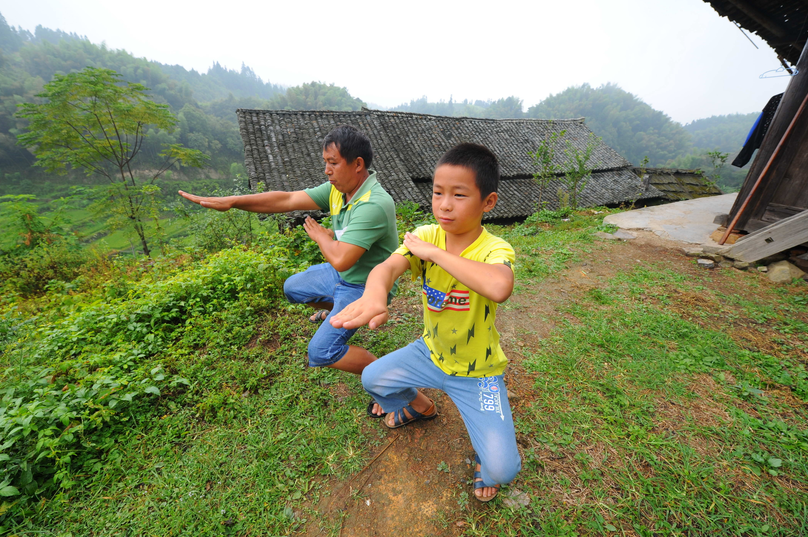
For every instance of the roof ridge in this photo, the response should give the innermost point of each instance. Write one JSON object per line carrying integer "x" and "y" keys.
{"x": 515, "y": 119}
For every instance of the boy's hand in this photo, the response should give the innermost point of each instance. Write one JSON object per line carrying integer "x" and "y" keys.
{"x": 419, "y": 248}
{"x": 361, "y": 312}
{"x": 219, "y": 204}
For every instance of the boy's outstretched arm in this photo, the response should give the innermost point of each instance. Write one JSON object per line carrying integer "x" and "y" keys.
{"x": 371, "y": 309}
{"x": 494, "y": 282}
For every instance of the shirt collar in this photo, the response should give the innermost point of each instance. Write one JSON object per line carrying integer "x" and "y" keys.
{"x": 363, "y": 189}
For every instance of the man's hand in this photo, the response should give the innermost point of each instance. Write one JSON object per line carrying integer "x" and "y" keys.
{"x": 317, "y": 232}
{"x": 364, "y": 311}
{"x": 219, "y": 204}
{"x": 419, "y": 248}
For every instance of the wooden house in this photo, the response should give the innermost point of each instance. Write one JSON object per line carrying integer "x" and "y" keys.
{"x": 776, "y": 187}
{"x": 282, "y": 151}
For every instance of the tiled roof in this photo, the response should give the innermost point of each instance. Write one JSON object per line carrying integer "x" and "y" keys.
{"x": 677, "y": 184}
{"x": 781, "y": 23}
{"x": 283, "y": 150}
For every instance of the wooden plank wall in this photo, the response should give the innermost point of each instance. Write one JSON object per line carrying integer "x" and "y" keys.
{"x": 784, "y": 190}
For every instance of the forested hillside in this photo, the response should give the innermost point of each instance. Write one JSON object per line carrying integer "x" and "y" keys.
{"x": 204, "y": 103}
{"x": 721, "y": 133}
{"x": 623, "y": 120}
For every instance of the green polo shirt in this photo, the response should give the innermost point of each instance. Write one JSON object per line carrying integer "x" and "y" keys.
{"x": 367, "y": 221}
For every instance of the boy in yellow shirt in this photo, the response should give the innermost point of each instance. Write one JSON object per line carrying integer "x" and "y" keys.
{"x": 465, "y": 273}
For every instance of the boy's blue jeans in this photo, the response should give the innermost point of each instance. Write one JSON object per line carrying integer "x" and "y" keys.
{"x": 321, "y": 283}
{"x": 483, "y": 403}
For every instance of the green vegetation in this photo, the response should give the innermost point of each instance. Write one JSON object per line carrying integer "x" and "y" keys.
{"x": 625, "y": 123}
{"x": 171, "y": 395}
{"x": 91, "y": 122}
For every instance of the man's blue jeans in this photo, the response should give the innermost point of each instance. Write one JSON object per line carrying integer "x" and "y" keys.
{"x": 321, "y": 283}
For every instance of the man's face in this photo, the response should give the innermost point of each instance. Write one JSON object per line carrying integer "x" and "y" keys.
{"x": 342, "y": 174}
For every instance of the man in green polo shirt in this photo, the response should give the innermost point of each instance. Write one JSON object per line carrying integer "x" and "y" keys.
{"x": 364, "y": 234}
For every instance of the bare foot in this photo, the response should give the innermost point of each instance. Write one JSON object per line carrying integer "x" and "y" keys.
{"x": 377, "y": 409}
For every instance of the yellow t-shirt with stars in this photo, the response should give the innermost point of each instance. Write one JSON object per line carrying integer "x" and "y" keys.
{"x": 458, "y": 323}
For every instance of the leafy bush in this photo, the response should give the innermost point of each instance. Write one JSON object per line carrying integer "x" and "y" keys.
{"x": 81, "y": 375}
{"x": 28, "y": 271}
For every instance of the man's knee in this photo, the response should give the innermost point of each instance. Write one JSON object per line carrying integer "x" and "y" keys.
{"x": 325, "y": 353}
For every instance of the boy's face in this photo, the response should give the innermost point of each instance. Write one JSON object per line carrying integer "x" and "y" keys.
{"x": 456, "y": 201}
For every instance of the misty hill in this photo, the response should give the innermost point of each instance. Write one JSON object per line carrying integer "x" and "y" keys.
{"x": 623, "y": 120}
{"x": 204, "y": 103}
{"x": 722, "y": 133}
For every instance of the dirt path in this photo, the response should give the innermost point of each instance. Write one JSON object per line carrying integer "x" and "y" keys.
{"x": 417, "y": 482}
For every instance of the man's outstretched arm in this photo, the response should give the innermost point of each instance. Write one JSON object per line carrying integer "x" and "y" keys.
{"x": 371, "y": 309}
{"x": 264, "y": 202}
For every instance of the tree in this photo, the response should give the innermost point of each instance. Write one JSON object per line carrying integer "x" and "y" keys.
{"x": 316, "y": 96}
{"x": 578, "y": 169}
{"x": 544, "y": 159}
{"x": 92, "y": 120}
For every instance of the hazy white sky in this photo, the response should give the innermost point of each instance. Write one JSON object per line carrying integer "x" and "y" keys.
{"x": 679, "y": 56}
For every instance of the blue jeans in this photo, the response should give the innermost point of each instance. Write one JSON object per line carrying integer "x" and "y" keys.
{"x": 393, "y": 380}
{"x": 321, "y": 283}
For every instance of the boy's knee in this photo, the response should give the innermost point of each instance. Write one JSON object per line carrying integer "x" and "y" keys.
{"x": 370, "y": 376}
{"x": 502, "y": 470}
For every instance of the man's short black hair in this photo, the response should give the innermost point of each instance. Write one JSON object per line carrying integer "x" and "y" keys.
{"x": 478, "y": 159}
{"x": 351, "y": 143}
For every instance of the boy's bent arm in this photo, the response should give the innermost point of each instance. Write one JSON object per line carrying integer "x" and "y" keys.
{"x": 371, "y": 309}
{"x": 494, "y": 282}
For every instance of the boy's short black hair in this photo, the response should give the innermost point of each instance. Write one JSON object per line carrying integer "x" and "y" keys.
{"x": 351, "y": 143}
{"x": 478, "y": 159}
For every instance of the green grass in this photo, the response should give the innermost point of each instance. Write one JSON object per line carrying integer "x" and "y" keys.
{"x": 653, "y": 436}
{"x": 641, "y": 415}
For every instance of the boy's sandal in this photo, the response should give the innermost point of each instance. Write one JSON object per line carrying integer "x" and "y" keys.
{"x": 370, "y": 410}
{"x": 478, "y": 481}
{"x": 319, "y": 317}
{"x": 400, "y": 419}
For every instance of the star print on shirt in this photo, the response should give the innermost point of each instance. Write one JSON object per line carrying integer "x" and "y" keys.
{"x": 453, "y": 350}
{"x": 454, "y": 330}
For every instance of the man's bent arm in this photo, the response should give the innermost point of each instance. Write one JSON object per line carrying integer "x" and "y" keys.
{"x": 263, "y": 202}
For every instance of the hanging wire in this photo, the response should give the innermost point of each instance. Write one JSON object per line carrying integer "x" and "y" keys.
{"x": 747, "y": 35}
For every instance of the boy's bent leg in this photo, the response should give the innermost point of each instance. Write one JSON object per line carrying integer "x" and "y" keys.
{"x": 483, "y": 404}
{"x": 393, "y": 380}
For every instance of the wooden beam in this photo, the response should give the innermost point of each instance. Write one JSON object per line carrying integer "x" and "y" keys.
{"x": 758, "y": 17}
{"x": 771, "y": 240}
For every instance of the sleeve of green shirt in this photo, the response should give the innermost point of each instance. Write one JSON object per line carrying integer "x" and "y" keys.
{"x": 368, "y": 224}
{"x": 320, "y": 195}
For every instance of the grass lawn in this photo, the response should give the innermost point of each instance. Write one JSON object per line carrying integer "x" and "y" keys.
{"x": 651, "y": 397}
